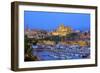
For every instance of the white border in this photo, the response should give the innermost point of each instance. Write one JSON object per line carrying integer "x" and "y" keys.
{"x": 23, "y": 64}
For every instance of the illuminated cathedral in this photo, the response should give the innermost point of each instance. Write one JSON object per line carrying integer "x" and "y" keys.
{"x": 62, "y": 31}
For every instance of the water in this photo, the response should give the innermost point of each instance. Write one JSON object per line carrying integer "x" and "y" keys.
{"x": 63, "y": 53}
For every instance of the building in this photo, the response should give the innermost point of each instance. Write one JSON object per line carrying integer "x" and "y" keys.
{"x": 36, "y": 34}
{"x": 62, "y": 31}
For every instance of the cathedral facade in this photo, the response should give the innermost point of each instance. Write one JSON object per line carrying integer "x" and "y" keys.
{"x": 62, "y": 31}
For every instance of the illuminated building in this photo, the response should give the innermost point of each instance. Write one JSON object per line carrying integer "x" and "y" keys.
{"x": 62, "y": 31}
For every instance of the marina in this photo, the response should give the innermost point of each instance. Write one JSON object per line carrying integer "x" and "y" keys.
{"x": 61, "y": 53}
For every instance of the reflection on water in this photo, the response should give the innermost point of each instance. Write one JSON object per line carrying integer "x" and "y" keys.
{"x": 60, "y": 53}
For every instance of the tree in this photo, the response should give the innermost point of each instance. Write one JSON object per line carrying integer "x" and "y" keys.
{"x": 56, "y": 39}
{"x": 27, "y": 45}
{"x": 34, "y": 41}
{"x": 72, "y": 36}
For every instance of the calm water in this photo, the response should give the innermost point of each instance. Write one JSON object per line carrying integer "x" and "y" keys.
{"x": 64, "y": 53}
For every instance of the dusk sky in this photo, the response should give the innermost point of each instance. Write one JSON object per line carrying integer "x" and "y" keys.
{"x": 51, "y": 20}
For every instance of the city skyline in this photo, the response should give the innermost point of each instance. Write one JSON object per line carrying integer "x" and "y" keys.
{"x": 52, "y": 20}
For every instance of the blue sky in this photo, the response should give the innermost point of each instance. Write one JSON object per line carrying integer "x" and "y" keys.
{"x": 51, "y": 20}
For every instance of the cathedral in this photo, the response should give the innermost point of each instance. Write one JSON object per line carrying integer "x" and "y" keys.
{"x": 62, "y": 31}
